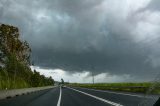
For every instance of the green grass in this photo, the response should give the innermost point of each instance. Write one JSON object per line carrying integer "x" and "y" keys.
{"x": 144, "y": 87}
{"x": 10, "y": 83}
{"x": 13, "y": 84}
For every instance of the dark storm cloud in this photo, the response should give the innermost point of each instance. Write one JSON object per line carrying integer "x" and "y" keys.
{"x": 154, "y": 4}
{"x": 80, "y": 35}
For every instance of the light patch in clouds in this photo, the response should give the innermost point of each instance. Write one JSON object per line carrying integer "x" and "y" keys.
{"x": 41, "y": 16}
{"x": 147, "y": 27}
{"x": 83, "y": 77}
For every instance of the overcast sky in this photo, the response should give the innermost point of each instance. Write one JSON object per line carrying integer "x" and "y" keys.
{"x": 116, "y": 40}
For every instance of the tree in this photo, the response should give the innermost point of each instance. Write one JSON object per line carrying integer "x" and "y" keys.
{"x": 15, "y": 54}
{"x": 62, "y": 81}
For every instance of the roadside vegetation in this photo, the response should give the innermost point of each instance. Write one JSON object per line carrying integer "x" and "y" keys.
{"x": 145, "y": 87}
{"x": 15, "y": 71}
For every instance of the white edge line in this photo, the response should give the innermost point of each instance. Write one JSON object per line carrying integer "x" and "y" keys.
{"x": 59, "y": 100}
{"x": 101, "y": 99}
{"x": 115, "y": 92}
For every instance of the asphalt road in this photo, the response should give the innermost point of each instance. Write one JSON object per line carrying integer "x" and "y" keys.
{"x": 67, "y": 96}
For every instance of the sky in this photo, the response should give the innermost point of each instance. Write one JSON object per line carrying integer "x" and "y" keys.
{"x": 115, "y": 40}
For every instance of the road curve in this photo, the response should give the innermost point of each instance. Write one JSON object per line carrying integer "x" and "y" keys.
{"x": 67, "y": 96}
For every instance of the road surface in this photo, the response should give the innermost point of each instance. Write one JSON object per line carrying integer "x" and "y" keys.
{"x": 68, "y": 96}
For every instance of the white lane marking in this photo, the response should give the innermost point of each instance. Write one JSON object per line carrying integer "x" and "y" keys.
{"x": 59, "y": 100}
{"x": 98, "y": 98}
{"x": 115, "y": 93}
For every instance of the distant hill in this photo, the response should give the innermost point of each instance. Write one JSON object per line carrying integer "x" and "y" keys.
{"x": 15, "y": 63}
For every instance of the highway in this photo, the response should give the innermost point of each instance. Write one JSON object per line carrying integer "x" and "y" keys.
{"x": 67, "y": 96}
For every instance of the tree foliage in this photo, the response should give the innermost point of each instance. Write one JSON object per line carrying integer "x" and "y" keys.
{"x": 15, "y": 60}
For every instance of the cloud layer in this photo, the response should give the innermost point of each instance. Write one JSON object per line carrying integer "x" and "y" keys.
{"x": 102, "y": 36}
